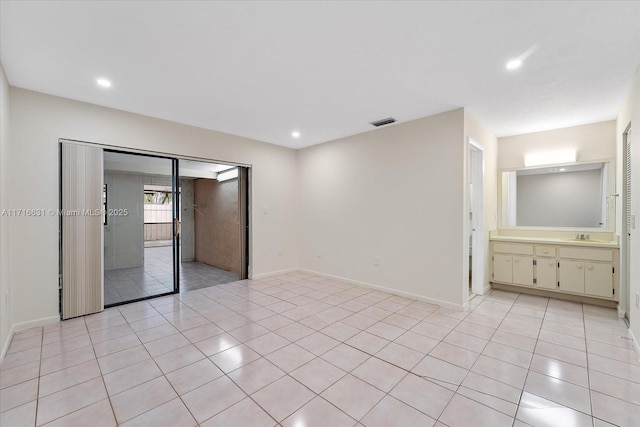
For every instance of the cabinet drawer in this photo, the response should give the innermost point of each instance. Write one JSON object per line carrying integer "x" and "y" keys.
{"x": 548, "y": 251}
{"x": 513, "y": 248}
{"x": 586, "y": 253}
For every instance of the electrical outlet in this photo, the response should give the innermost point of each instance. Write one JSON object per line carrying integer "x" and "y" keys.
{"x": 376, "y": 260}
{"x": 637, "y": 299}
{"x": 319, "y": 254}
{"x": 280, "y": 251}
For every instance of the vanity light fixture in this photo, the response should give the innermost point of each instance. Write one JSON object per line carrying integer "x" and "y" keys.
{"x": 550, "y": 158}
{"x": 103, "y": 83}
{"x": 227, "y": 175}
{"x": 295, "y": 134}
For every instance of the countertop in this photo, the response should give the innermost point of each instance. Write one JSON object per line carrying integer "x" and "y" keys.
{"x": 555, "y": 241}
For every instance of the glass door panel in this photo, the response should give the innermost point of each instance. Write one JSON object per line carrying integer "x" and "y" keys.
{"x": 139, "y": 227}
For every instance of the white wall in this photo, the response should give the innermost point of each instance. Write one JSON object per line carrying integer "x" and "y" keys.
{"x": 475, "y": 130}
{"x": 6, "y": 296}
{"x": 630, "y": 113}
{"x": 569, "y": 199}
{"x": 596, "y": 141}
{"x": 395, "y": 193}
{"x": 38, "y": 120}
{"x": 124, "y": 235}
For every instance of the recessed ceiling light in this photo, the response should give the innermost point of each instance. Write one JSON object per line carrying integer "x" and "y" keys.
{"x": 103, "y": 83}
{"x": 514, "y": 64}
{"x": 295, "y": 134}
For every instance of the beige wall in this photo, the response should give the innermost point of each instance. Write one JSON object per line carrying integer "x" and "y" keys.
{"x": 395, "y": 193}
{"x": 38, "y": 120}
{"x": 630, "y": 113}
{"x": 596, "y": 141}
{"x": 217, "y": 229}
{"x": 6, "y": 296}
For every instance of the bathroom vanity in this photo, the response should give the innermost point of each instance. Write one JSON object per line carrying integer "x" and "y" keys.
{"x": 556, "y": 232}
{"x": 557, "y": 265}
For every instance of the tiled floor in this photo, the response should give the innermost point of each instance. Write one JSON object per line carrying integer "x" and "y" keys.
{"x": 156, "y": 277}
{"x": 301, "y": 350}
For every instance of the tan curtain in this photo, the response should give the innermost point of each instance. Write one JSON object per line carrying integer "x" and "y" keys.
{"x": 82, "y": 248}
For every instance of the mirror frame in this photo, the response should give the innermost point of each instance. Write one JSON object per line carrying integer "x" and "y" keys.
{"x": 610, "y": 198}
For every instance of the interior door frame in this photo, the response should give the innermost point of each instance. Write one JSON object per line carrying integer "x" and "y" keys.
{"x": 478, "y": 247}
{"x": 244, "y": 212}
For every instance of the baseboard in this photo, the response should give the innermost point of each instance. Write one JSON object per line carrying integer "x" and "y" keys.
{"x": 273, "y": 273}
{"x": 5, "y": 346}
{"x": 487, "y": 288}
{"x": 556, "y": 295}
{"x": 441, "y": 303}
{"x": 37, "y": 322}
{"x": 26, "y": 325}
{"x": 636, "y": 345}
{"x": 621, "y": 312}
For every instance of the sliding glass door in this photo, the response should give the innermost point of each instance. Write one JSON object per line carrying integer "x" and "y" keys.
{"x": 141, "y": 227}
{"x": 136, "y": 226}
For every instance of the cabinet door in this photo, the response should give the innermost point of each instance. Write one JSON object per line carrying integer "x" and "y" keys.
{"x": 502, "y": 268}
{"x": 598, "y": 279}
{"x": 522, "y": 270}
{"x": 571, "y": 276}
{"x": 546, "y": 273}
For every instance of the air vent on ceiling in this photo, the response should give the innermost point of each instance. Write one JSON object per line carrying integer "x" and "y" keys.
{"x": 383, "y": 122}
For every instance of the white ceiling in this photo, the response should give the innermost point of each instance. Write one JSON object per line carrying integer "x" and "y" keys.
{"x": 327, "y": 69}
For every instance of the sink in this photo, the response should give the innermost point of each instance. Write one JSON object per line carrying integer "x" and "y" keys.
{"x": 589, "y": 240}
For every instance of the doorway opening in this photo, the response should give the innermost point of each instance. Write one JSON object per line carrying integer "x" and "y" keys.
{"x": 213, "y": 224}
{"x": 185, "y": 225}
{"x": 476, "y": 220}
{"x": 141, "y": 201}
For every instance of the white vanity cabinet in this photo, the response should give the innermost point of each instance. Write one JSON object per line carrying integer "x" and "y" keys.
{"x": 513, "y": 263}
{"x": 545, "y": 267}
{"x": 574, "y": 269}
{"x": 586, "y": 270}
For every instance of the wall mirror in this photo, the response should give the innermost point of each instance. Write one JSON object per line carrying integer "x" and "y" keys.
{"x": 569, "y": 196}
